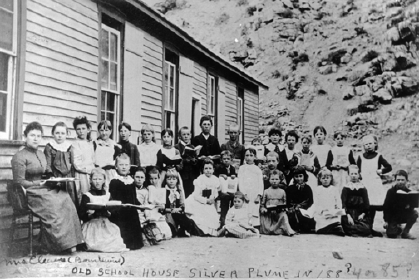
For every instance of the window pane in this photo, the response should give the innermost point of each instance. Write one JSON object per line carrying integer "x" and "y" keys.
{"x": 110, "y": 106}
{"x": 114, "y": 74}
{"x": 3, "y": 71}
{"x": 105, "y": 74}
{"x": 172, "y": 76}
{"x": 166, "y": 97}
{"x": 6, "y": 30}
{"x": 172, "y": 100}
{"x": 3, "y": 111}
{"x": 166, "y": 74}
{"x": 114, "y": 47}
{"x": 7, "y": 4}
{"x": 103, "y": 101}
{"x": 102, "y": 115}
{"x": 104, "y": 43}
{"x": 172, "y": 121}
{"x": 110, "y": 117}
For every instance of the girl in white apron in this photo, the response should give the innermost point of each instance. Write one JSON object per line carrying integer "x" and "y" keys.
{"x": 372, "y": 165}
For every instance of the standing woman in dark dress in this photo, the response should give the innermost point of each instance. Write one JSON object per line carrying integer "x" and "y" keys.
{"x": 210, "y": 145}
{"x": 61, "y": 230}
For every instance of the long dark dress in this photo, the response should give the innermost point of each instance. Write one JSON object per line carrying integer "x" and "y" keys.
{"x": 126, "y": 218}
{"x": 355, "y": 202}
{"x": 189, "y": 170}
{"x": 59, "y": 165}
{"x": 300, "y": 196}
{"x": 61, "y": 228}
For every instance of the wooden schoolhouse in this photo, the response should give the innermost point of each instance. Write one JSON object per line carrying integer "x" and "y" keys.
{"x": 110, "y": 59}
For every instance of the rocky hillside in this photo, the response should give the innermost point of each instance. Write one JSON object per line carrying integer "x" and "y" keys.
{"x": 344, "y": 64}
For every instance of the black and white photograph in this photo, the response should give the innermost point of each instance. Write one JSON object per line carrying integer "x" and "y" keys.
{"x": 274, "y": 139}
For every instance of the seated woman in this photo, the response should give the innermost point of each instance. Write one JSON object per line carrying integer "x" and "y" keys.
{"x": 356, "y": 203}
{"x": 61, "y": 230}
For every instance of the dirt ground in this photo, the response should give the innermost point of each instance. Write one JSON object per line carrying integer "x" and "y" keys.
{"x": 301, "y": 256}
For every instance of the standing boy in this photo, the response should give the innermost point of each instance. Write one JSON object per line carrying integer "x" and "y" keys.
{"x": 189, "y": 169}
{"x": 210, "y": 145}
{"x": 233, "y": 145}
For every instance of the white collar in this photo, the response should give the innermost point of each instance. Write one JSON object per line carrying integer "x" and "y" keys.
{"x": 127, "y": 180}
{"x": 63, "y": 147}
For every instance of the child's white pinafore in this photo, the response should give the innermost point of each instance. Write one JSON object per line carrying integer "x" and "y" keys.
{"x": 372, "y": 181}
{"x": 340, "y": 157}
{"x": 99, "y": 233}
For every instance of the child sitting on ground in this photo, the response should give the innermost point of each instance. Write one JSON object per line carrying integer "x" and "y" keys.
{"x": 157, "y": 197}
{"x": 237, "y": 220}
{"x": 99, "y": 233}
{"x": 356, "y": 203}
{"x": 174, "y": 208}
{"x": 151, "y": 234}
{"x": 328, "y": 205}
{"x": 273, "y": 219}
{"x": 126, "y": 218}
{"x": 398, "y": 212}
{"x": 228, "y": 181}
{"x": 201, "y": 204}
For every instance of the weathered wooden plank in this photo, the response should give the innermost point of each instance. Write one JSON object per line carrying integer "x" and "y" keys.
{"x": 152, "y": 97}
{"x": 90, "y": 5}
{"x": 154, "y": 68}
{"x": 7, "y": 150}
{"x": 50, "y": 29}
{"x": 152, "y": 113}
{"x": 57, "y": 75}
{"x": 61, "y": 47}
{"x": 155, "y": 61}
{"x": 73, "y": 20}
{"x": 50, "y": 120}
{"x": 78, "y": 7}
{"x": 53, "y": 110}
{"x": 150, "y": 85}
{"x": 151, "y": 40}
{"x": 36, "y": 78}
{"x": 6, "y": 174}
{"x": 156, "y": 75}
{"x": 58, "y": 94}
{"x": 60, "y": 104}
{"x": 61, "y": 67}
{"x": 83, "y": 66}
{"x": 5, "y": 161}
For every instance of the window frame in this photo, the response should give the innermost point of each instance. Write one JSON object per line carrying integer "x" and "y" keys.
{"x": 212, "y": 100}
{"x": 240, "y": 108}
{"x": 11, "y": 87}
{"x": 115, "y": 92}
{"x": 168, "y": 65}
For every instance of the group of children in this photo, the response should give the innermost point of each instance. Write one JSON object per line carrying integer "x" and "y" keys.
{"x": 198, "y": 187}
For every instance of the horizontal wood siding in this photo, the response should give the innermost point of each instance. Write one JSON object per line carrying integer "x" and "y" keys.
{"x": 61, "y": 76}
{"x": 200, "y": 85}
{"x": 230, "y": 104}
{"x": 251, "y": 115}
{"x": 152, "y": 84}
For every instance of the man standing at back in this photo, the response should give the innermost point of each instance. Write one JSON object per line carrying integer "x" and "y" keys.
{"x": 233, "y": 144}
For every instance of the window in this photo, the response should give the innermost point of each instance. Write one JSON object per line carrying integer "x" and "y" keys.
{"x": 110, "y": 49}
{"x": 170, "y": 92}
{"x": 211, "y": 95}
{"x": 8, "y": 46}
{"x": 240, "y": 111}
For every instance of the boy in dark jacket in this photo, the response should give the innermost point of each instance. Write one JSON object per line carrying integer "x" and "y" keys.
{"x": 398, "y": 212}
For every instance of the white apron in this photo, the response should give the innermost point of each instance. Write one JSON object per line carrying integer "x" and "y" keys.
{"x": 372, "y": 181}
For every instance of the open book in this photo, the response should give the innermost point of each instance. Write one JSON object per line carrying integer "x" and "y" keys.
{"x": 191, "y": 152}
{"x": 113, "y": 204}
{"x": 407, "y": 198}
{"x": 61, "y": 180}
